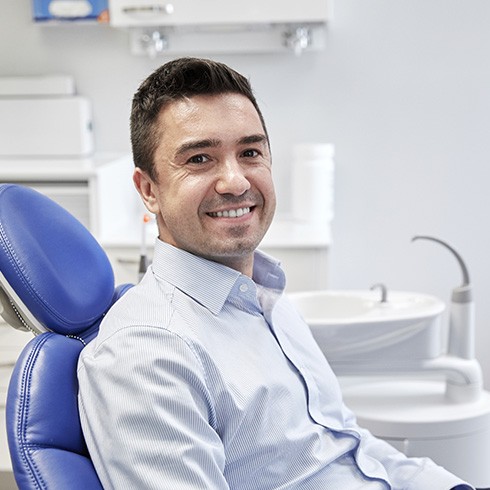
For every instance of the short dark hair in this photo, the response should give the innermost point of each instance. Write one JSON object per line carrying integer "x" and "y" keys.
{"x": 175, "y": 80}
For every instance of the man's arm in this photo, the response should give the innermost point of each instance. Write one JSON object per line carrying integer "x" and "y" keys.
{"x": 146, "y": 413}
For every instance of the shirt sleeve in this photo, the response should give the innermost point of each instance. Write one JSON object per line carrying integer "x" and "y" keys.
{"x": 405, "y": 472}
{"x": 146, "y": 413}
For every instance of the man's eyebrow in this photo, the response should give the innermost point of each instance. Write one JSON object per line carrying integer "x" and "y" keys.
{"x": 197, "y": 145}
{"x": 254, "y": 138}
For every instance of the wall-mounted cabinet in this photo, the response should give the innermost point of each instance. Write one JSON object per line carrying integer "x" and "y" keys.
{"x": 126, "y": 13}
{"x": 222, "y": 26}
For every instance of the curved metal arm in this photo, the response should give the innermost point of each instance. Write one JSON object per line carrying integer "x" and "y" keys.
{"x": 464, "y": 269}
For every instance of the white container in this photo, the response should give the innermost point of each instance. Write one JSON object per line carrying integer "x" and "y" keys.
{"x": 312, "y": 183}
{"x": 46, "y": 126}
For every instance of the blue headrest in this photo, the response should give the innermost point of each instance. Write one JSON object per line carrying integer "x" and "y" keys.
{"x": 52, "y": 262}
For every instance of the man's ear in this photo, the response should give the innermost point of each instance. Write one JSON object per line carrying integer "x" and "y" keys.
{"x": 146, "y": 188}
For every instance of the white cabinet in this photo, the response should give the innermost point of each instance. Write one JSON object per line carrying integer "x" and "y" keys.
{"x": 125, "y": 13}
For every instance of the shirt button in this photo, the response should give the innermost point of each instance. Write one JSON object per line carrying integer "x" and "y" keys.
{"x": 243, "y": 288}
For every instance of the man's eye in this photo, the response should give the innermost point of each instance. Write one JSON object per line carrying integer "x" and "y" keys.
{"x": 198, "y": 159}
{"x": 250, "y": 153}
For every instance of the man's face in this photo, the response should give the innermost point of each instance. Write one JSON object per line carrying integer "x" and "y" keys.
{"x": 214, "y": 194}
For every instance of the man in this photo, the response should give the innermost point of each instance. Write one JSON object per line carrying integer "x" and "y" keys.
{"x": 204, "y": 376}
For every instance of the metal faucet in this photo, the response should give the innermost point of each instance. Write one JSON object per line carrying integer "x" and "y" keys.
{"x": 384, "y": 291}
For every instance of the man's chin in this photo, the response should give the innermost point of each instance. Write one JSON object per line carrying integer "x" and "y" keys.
{"x": 230, "y": 252}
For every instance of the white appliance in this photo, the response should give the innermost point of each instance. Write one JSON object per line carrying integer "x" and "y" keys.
{"x": 54, "y": 126}
{"x": 44, "y": 117}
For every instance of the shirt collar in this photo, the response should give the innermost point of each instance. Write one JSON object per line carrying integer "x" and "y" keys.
{"x": 208, "y": 282}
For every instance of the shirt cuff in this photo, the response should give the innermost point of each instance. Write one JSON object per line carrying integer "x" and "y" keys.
{"x": 438, "y": 478}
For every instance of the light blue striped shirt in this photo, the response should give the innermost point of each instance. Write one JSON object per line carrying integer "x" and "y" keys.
{"x": 202, "y": 378}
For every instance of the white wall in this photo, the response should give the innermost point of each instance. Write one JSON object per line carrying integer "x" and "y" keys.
{"x": 402, "y": 89}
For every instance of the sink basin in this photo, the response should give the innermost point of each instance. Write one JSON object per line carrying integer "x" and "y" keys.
{"x": 355, "y": 326}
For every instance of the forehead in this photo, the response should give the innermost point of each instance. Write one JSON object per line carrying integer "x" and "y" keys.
{"x": 221, "y": 113}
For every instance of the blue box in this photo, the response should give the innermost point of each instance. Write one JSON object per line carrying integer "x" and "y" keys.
{"x": 70, "y": 10}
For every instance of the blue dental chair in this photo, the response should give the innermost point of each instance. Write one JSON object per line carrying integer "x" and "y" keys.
{"x": 57, "y": 282}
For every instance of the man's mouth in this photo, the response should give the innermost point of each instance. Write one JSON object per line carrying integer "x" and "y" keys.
{"x": 230, "y": 213}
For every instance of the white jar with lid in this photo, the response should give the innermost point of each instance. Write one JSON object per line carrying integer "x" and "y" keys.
{"x": 312, "y": 183}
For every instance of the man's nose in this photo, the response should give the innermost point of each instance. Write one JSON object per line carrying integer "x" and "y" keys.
{"x": 232, "y": 179}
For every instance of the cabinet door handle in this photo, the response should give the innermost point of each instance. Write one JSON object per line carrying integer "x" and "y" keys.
{"x": 167, "y": 8}
{"x": 124, "y": 261}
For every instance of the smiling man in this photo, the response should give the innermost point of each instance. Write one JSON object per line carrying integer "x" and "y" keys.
{"x": 204, "y": 376}
{"x": 212, "y": 191}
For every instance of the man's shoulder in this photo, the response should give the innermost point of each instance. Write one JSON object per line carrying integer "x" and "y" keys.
{"x": 142, "y": 307}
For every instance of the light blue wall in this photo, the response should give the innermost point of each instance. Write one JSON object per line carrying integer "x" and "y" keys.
{"x": 402, "y": 89}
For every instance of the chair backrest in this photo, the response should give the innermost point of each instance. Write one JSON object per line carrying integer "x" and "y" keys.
{"x": 56, "y": 281}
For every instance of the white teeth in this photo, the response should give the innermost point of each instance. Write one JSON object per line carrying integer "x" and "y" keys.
{"x": 232, "y": 213}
